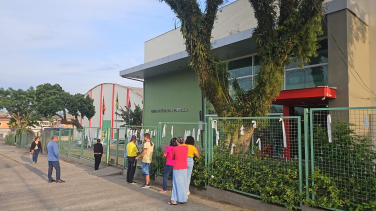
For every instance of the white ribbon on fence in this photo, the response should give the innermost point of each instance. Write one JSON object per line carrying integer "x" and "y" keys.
{"x": 259, "y": 143}
{"x": 198, "y": 135}
{"x": 142, "y": 135}
{"x": 366, "y": 123}
{"x": 155, "y": 132}
{"x": 164, "y": 131}
{"x": 329, "y": 127}
{"x": 232, "y": 148}
{"x": 214, "y": 126}
{"x": 283, "y": 133}
{"x": 193, "y": 133}
{"x": 216, "y": 137}
{"x": 254, "y": 124}
{"x": 151, "y": 134}
{"x": 129, "y": 134}
{"x": 147, "y": 131}
{"x": 242, "y": 130}
{"x": 172, "y": 131}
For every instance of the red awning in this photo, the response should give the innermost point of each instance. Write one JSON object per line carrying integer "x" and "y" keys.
{"x": 309, "y": 96}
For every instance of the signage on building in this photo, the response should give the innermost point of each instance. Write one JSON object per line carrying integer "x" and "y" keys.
{"x": 168, "y": 110}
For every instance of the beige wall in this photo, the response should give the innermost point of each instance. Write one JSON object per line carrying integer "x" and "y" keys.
{"x": 352, "y": 70}
{"x": 369, "y": 6}
{"x": 237, "y": 16}
{"x": 358, "y": 57}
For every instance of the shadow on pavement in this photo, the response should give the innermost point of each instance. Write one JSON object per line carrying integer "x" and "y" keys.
{"x": 37, "y": 172}
{"x": 26, "y": 159}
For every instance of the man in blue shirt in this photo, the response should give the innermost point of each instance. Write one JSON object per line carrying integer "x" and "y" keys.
{"x": 53, "y": 158}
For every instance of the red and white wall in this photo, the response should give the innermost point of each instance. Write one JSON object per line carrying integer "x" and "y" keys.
{"x": 108, "y": 92}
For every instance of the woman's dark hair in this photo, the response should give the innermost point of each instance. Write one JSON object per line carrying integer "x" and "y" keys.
{"x": 190, "y": 140}
{"x": 180, "y": 140}
{"x": 36, "y": 138}
{"x": 173, "y": 142}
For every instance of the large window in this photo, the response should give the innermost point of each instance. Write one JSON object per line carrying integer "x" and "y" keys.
{"x": 242, "y": 70}
{"x": 314, "y": 73}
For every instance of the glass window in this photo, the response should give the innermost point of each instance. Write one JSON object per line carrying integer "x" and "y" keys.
{"x": 256, "y": 67}
{"x": 322, "y": 57}
{"x": 276, "y": 109}
{"x": 307, "y": 78}
{"x": 240, "y": 67}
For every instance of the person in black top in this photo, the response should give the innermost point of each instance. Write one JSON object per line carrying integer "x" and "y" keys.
{"x": 98, "y": 151}
{"x": 35, "y": 148}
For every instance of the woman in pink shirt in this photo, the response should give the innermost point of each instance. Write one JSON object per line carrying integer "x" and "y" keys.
{"x": 179, "y": 180}
{"x": 169, "y": 163}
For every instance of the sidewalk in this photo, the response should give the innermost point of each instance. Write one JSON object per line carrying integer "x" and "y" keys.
{"x": 24, "y": 187}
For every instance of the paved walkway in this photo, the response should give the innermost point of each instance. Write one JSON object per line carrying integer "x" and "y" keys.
{"x": 24, "y": 186}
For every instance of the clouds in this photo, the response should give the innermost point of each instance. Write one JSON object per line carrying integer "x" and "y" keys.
{"x": 76, "y": 43}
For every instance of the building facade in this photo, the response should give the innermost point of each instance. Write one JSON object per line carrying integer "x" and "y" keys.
{"x": 108, "y": 99}
{"x": 341, "y": 76}
{"x": 4, "y": 127}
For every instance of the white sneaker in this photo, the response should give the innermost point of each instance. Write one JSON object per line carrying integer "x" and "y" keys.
{"x": 188, "y": 193}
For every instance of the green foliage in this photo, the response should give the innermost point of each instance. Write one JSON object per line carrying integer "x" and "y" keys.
{"x": 131, "y": 118}
{"x": 347, "y": 176}
{"x": 52, "y": 100}
{"x": 287, "y": 30}
{"x": 200, "y": 173}
{"x": 21, "y": 106}
{"x": 273, "y": 180}
{"x": 158, "y": 164}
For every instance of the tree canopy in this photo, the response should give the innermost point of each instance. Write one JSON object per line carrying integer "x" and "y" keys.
{"x": 52, "y": 100}
{"x": 286, "y": 30}
{"x": 21, "y": 106}
{"x": 131, "y": 117}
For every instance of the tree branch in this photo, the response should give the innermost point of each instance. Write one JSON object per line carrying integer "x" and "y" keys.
{"x": 59, "y": 115}
{"x": 75, "y": 122}
{"x": 211, "y": 13}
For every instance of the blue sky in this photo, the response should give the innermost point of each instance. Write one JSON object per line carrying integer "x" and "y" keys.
{"x": 76, "y": 43}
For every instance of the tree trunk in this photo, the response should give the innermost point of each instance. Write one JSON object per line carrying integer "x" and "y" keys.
{"x": 75, "y": 122}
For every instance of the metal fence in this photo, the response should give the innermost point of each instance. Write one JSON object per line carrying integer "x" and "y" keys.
{"x": 80, "y": 142}
{"x": 257, "y": 156}
{"x": 10, "y": 139}
{"x": 262, "y": 157}
{"x": 169, "y": 130}
{"x": 120, "y": 138}
{"x": 343, "y": 157}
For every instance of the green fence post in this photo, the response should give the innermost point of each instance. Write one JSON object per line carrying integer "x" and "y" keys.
{"x": 52, "y": 134}
{"x": 306, "y": 149}
{"x": 69, "y": 141}
{"x": 59, "y": 139}
{"x": 117, "y": 146}
{"x": 300, "y": 158}
{"x": 108, "y": 146}
{"x": 311, "y": 149}
{"x": 125, "y": 150}
{"x": 159, "y": 140}
{"x": 82, "y": 142}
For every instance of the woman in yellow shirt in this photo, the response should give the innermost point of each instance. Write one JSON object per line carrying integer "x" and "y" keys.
{"x": 192, "y": 151}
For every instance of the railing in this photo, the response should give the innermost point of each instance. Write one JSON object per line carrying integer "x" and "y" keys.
{"x": 334, "y": 167}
